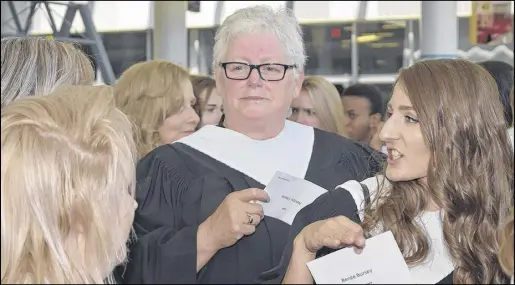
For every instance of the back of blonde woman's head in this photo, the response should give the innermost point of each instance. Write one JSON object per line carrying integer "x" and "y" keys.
{"x": 36, "y": 66}
{"x": 67, "y": 186}
{"x": 149, "y": 92}
{"x": 327, "y": 103}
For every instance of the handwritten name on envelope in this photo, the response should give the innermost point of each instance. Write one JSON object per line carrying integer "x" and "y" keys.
{"x": 288, "y": 195}
{"x": 381, "y": 262}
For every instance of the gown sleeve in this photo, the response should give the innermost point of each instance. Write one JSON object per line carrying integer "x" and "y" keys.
{"x": 163, "y": 252}
{"x": 330, "y": 204}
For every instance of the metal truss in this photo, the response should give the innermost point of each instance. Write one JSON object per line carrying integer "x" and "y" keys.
{"x": 91, "y": 37}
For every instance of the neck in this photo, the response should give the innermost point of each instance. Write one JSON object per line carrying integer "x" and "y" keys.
{"x": 257, "y": 130}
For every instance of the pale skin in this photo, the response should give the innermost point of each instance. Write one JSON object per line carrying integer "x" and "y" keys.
{"x": 303, "y": 111}
{"x": 401, "y": 132}
{"x": 259, "y": 119}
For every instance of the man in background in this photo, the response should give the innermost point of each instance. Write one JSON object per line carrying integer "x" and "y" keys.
{"x": 364, "y": 108}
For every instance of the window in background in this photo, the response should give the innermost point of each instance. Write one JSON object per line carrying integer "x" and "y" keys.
{"x": 465, "y": 45}
{"x": 386, "y": 89}
{"x": 328, "y": 49}
{"x": 126, "y": 48}
{"x": 88, "y": 50}
{"x": 380, "y": 46}
{"x": 200, "y": 49}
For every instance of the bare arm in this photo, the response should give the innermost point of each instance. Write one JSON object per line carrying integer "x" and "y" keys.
{"x": 298, "y": 272}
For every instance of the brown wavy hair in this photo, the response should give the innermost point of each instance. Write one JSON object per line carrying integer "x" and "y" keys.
{"x": 470, "y": 174}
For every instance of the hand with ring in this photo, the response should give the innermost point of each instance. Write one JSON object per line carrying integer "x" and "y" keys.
{"x": 236, "y": 217}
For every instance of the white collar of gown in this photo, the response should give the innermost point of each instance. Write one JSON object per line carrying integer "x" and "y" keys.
{"x": 290, "y": 151}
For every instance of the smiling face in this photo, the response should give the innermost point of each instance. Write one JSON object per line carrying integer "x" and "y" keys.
{"x": 255, "y": 99}
{"x": 182, "y": 123}
{"x": 408, "y": 154}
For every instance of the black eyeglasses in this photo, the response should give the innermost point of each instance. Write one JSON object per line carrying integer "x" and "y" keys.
{"x": 267, "y": 71}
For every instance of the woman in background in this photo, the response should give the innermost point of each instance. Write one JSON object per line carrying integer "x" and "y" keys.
{"x": 319, "y": 106}
{"x": 209, "y": 103}
{"x": 158, "y": 97}
{"x": 33, "y": 66}
{"x": 67, "y": 186}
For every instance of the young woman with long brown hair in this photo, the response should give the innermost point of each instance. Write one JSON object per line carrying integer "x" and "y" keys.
{"x": 446, "y": 190}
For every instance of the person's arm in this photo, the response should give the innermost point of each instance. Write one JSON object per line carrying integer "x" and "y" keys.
{"x": 335, "y": 233}
{"x": 298, "y": 272}
{"x": 292, "y": 266}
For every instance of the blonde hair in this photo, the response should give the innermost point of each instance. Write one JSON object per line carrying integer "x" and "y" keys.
{"x": 326, "y": 101}
{"x": 149, "y": 92}
{"x": 470, "y": 173}
{"x": 67, "y": 182}
{"x": 33, "y": 66}
{"x": 506, "y": 251}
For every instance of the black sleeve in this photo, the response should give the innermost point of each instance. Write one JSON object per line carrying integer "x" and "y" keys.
{"x": 367, "y": 161}
{"x": 164, "y": 252}
{"x": 337, "y": 159}
{"x": 331, "y": 204}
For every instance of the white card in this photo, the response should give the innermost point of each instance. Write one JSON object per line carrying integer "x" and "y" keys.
{"x": 381, "y": 262}
{"x": 288, "y": 195}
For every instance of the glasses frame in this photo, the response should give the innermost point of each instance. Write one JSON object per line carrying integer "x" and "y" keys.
{"x": 258, "y": 68}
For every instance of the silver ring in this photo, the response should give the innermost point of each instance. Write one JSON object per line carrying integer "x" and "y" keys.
{"x": 251, "y": 219}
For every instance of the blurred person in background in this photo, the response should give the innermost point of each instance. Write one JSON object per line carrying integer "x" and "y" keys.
{"x": 67, "y": 186}
{"x": 502, "y": 72}
{"x": 158, "y": 97}
{"x": 339, "y": 87}
{"x": 319, "y": 106}
{"x": 363, "y": 105}
{"x": 197, "y": 221}
{"x": 209, "y": 103}
{"x": 445, "y": 191}
{"x": 33, "y": 66}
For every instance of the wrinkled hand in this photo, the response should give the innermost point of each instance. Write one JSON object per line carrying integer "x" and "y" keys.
{"x": 231, "y": 220}
{"x": 337, "y": 232}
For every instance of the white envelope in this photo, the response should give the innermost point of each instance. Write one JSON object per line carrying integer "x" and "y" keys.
{"x": 381, "y": 262}
{"x": 288, "y": 195}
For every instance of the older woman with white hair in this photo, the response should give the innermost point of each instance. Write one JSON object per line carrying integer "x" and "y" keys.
{"x": 197, "y": 220}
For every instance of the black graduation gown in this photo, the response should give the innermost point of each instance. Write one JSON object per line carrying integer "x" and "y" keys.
{"x": 179, "y": 187}
{"x": 331, "y": 204}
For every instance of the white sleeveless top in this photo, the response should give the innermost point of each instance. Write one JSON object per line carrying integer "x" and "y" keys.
{"x": 438, "y": 263}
